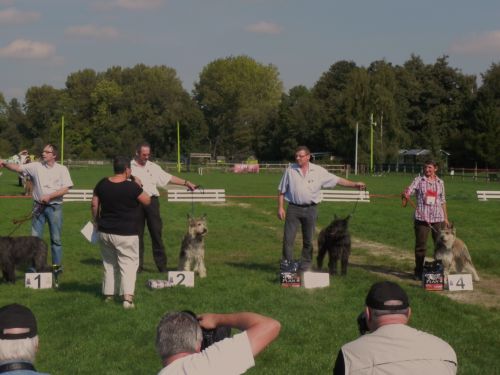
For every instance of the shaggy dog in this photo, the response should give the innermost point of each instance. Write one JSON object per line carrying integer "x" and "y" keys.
{"x": 28, "y": 186}
{"x": 335, "y": 239}
{"x": 453, "y": 252}
{"x": 192, "y": 254}
{"x": 22, "y": 250}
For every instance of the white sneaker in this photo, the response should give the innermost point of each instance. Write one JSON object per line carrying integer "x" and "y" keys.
{"x": 128, "y": 305}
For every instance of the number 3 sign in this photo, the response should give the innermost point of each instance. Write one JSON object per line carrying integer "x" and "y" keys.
{"x": 185, "y": 278}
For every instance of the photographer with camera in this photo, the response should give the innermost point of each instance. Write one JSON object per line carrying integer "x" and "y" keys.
{"x": 390, "y": 345}
{"x": 179, "y": 340}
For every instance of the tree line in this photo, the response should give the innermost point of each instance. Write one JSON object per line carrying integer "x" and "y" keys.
{"x": 238, "y": 108}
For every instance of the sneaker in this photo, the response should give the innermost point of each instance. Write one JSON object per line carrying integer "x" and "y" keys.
{"x": 128, "y": 305}
{"x": 108, "y": 299}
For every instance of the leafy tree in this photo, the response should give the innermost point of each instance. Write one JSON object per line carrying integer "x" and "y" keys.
{"x": 237, "y": 96}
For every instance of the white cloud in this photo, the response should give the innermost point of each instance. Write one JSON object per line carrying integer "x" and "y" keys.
{"x": 92, "y": 31}
{"x": 130, "y": 4}
{"x": 14, "y": 16}
{"x": 264, "y": 28}
{"x": 478, "y": 44}
{"x": 28, "y": 49}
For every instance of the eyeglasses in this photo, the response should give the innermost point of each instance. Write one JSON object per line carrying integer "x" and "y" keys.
{"x": 301, "y": 156}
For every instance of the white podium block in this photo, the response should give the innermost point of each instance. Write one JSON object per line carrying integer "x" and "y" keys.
{"x": 185, "y": 278}
{"x": 38, "y": 280}
{"x": 460, "y": 282}
{"x": 315, "y": 280}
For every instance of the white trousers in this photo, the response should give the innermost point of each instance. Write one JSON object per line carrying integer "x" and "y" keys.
{"x": 120, "y": 258}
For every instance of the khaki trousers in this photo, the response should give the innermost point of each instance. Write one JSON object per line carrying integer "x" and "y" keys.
{"x": 120, "y": 258}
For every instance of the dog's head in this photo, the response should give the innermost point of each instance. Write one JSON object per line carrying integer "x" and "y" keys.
{"x": 338, "y": 226}
{"x": 197, "y": 226}
{"x": 448, "y": 235}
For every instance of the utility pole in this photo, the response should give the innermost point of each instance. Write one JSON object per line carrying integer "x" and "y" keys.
{"x": 372, "y": 125}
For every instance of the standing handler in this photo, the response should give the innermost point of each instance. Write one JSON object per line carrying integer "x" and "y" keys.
{"x": 430, "y": 214}
{"x": 50, "y": 182}
{"x": 300, "y": 186}
{"x": 153, "y": 177}
{"x": 115, "y": 205}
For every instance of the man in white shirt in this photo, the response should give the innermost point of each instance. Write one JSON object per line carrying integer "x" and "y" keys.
{"x": 51, "y": 181}
{"x": 153, "y": 177}
{"x": 179, "y": 338}
{"x": 300, "y": 186}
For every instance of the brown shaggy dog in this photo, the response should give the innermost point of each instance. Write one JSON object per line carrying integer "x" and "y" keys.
{"x": 22, "y": 250}
{"x": 192, "y": 254}
{"x": 453, "y": 252}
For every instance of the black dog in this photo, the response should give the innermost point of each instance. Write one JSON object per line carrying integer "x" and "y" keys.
{"x": 22, "y": 250}
{"x": 335, "y": 239}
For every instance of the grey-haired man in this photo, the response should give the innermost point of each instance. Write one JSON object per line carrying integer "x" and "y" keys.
{"x": 391, "y": 346}
{"x": 18, "y": 340}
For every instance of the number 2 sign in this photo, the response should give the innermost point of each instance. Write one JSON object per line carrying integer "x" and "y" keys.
{"x": 185, "y": 278}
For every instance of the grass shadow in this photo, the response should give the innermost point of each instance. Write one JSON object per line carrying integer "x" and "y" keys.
{"x": 264, "y": 267}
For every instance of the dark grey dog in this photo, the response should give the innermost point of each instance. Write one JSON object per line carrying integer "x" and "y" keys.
{"x": 336, "y": 240}
{"x": 22, "y": 250}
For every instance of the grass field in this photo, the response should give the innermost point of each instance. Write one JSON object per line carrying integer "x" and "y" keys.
{"x": 80, "y": 334}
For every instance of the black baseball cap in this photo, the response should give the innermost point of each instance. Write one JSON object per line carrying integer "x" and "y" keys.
{"x": 386, "y": 295}
{"x": 17, "y": 316}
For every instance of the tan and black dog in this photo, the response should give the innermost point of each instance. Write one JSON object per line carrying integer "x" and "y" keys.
{"x": 192, "y": 256}
{"x": 454, "y": 254}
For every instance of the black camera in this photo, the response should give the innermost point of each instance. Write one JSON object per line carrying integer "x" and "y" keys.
{"x": 211, "y": 336}
{"x": 362, "y": 324}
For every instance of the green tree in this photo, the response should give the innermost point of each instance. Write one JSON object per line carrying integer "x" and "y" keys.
{"x": 238, "y": 96}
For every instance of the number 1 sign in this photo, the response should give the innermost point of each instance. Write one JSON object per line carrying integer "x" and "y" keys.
{"x": 35, "y": 280}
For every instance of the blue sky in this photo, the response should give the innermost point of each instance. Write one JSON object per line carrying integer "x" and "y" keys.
{"x": 43, "y": 41}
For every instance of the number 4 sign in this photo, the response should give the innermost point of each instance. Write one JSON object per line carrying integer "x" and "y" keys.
{"x": 37, "y": 280}
{"x": 460, "y": 282}
{"x": 185, "y": 278}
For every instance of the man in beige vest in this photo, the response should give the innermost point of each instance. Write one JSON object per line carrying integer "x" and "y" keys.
{"x": 391, "y": 346}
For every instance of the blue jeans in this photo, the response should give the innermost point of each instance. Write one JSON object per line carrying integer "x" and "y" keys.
{"x": 305, "y": 217}
{"x": 53, "y": 215}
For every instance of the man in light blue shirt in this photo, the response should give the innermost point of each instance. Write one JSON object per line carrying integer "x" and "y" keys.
{"x": 301, "y": 186}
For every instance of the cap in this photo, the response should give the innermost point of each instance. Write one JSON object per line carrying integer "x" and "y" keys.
{"x": 17, "y": 316}
{"x": 387, "y": 295}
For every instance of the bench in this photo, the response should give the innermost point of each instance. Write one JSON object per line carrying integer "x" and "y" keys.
{"x": 203, "y": 195}
{"x": 78, "y": 195}
{"x": 345, "y": 196}
{"x": 484, "y": 195}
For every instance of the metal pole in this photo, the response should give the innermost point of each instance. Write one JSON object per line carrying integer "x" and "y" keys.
{"x": 356, "y": 152}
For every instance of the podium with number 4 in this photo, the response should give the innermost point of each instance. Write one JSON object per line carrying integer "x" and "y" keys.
{"x": 460, "y": 282}
{"x": 38, "y": 280}
{"x": 185, "y": 278}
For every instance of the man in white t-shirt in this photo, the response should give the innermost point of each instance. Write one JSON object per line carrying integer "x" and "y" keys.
{"x": 51, "y": 181}
{"x": 153, "y": 177}
{"x": 179, "y": 338}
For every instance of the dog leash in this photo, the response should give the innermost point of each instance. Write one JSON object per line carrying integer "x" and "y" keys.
{"x": 35, "y": 211}
{"x": 356, "y": 204}
{"x": 198, "y": 187}
{"x": 404, "y": 203}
